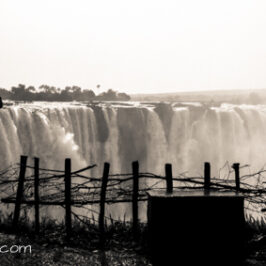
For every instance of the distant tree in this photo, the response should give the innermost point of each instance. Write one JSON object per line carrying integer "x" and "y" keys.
{"x": 98, "y": 86}
{"x": 112, "y": 95}
{"x": 123, "y": 96}
{"x": 76, "y": 93}
{"x": 65, "y": 94}
{"x": 88, "y": 95}
{"x": 31, "y": 89}
{"x": 19, "y": 89}
{"x": 48, "y": 89}
{"x": 5, "y": 94}
{"x": 20, "y": 92}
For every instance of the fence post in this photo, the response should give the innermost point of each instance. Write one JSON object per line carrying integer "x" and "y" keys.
{"x": 102, "y": 202}
{"x": 169, "y": 178}
{"x": 207, "y": 177}
{"x": 235, "y": 166}
{"x": 36, "y": 195}
{"x": 23, "y": 165}
{"x": 68, "y": 196}
{"x": 135, "y": 168}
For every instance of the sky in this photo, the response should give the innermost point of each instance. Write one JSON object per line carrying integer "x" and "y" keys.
{"x": 144, "y": 46}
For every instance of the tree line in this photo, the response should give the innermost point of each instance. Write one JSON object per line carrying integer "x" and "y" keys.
{"x": 50, "y": 93}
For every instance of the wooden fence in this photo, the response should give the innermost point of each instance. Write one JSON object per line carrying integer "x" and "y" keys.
{"x": 68, "y": 201}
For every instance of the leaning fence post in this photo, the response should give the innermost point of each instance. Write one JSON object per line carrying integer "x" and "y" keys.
{"x": 23, "y": 165}
{"x": 68, "y": 196}
{"x": 102, "y": 202}
{"x": 36, "y": 195}
{"x": 169, "y": 178}
{"x": 235, "y": 166}
{"x": 207, "y": 177}
{"x": 135, "y": 168}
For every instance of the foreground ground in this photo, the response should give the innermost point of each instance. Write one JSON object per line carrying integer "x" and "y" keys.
{"x": 45, "y": 253}
{"x": 49, "y": 253}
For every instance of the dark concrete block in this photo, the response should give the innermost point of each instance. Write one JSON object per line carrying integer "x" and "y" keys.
{"x": 191, "y": 228}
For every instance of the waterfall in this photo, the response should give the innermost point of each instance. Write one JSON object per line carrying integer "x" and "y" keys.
{"x": 183, "y": 136}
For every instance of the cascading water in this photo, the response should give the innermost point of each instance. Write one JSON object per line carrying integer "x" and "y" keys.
{"x": 153, "y": 134}
{"x": 120, "y": 135}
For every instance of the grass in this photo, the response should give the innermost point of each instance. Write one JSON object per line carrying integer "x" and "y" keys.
{"x": 120, "y": 248}
{"x": 84, "y": 234}
{"x": 50, "y": 247}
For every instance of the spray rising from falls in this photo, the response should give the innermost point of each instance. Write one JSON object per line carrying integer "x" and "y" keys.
{"x": 152, "y": 134}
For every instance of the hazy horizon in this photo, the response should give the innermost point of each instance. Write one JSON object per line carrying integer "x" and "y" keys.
{"x": 134, "y": 47}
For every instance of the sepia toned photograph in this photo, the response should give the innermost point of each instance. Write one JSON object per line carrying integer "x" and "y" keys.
{"x": 133, "y": 132}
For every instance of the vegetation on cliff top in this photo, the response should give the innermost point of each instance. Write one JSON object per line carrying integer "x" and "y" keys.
{"x": 51, "y": 93}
